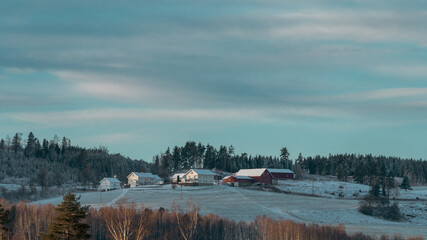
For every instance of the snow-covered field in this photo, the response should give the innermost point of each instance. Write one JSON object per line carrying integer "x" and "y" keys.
{"x": 346, "y": 190}
{"x": 244, "y": 204}
{"x": 329, "y": 189}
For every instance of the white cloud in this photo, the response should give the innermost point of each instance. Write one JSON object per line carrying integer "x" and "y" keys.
{"x": 106, "y": 87}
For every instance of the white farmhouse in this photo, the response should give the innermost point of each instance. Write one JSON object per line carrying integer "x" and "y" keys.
{"x": 200, "y": 176}
{"x": 141, "y": 178}
{"x": 109, "y": 184}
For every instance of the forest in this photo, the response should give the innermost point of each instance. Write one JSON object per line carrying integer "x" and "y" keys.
{"x": 134, "y": 222}
{"x": 56, "y": 162}
{"x": 362, "y": 168}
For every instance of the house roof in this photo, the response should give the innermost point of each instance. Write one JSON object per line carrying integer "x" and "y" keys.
{"x": 178, "y": 174}
{"x": 146, "y": 175}
{"x": 275, "y": 170}
{"x": 111, "y": 180}
{"x": 203, "y": 172}
{"x": 251, "y": 172}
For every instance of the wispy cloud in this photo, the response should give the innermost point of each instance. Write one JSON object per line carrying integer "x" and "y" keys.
{"x": 408, "y": 73}
{"x": 402, "y": 94}
{"x": 111, "y": 138}
{"x": 77, "y": 117}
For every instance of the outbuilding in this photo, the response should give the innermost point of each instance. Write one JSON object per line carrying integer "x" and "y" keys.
{"x": 238, "y": 180}
{"x": 261, "y": 175}
{"x": 281, "y": 174}
{"x": 107, "y": 184}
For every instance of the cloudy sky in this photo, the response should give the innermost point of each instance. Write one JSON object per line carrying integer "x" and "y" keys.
{"x": 138, "y": 76}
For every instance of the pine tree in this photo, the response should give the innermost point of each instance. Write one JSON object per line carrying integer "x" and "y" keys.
{"x": 16, "y": 142}
{"x": 405, "y": 183}
{"x": 210, "y": 157}
{"x": 31, "y": 145}
{"x": 165, "y": 165}
{"x": 2, "y": 145}
{"x": 67, "y": 222}
{"x": 176, "y": 158}
{"x": 284, "y": 158}
{"x": 4, "y": 220}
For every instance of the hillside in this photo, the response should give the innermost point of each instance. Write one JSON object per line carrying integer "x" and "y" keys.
{"x": 51, "y": 163}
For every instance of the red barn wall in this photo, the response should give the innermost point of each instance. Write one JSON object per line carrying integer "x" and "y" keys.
{"x": 264, "y": 178}
{"x": 283, "y": 175}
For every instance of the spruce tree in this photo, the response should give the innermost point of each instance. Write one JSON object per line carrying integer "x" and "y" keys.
{"x": 31, "y": 145}
{"x": 176, "y": 158}
{"x": 67, "y": 222}
{"x": 405, "y": 183}
{"x": 16, "y": 142}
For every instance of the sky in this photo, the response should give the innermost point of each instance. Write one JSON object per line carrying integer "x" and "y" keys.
{"x": 317, "y": 77}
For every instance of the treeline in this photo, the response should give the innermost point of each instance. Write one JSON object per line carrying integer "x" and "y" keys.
{"x": 132, "y": 222}
{"x": 57, "y": 162}
{"x": 361, "y": 167}
{"x": 193, "y": 155}
{"x": 366, "y": 169}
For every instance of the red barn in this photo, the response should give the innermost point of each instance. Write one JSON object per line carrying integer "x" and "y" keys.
{"x": 260, "y": 175}
{"x": 281, "y": 173}
{"x": 238, "y": 180}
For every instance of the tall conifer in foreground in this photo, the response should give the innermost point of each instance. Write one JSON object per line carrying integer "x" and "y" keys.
{"x": 67, "y": 222}
{"x": 4, "y": 221}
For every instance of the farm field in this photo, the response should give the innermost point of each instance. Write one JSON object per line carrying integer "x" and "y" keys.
{"x": 244, "y": 205}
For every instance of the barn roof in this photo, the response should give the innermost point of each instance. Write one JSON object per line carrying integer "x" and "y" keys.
{"x": 275, "y": 170}
{"x": 251, "y": 172}
{"x": 111, "y": 180}
{"x": 240, "y": 177}
{"x": 203, "y": 171}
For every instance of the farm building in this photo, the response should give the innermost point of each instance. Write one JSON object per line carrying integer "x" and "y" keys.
{"x": 281, "y": 174}
{"x": 238, "y": 180}
{"x": 142, "y": 178}
{"x": 260, "y": 175}
{"x": 109, "y": 184}
{"x": 181, "y": 176}
{"x": 200, "y": 176}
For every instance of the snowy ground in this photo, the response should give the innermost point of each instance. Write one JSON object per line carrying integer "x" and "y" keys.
{"x": 10, "y": 187}
{"x": 346, "y": 190}
{"x": 244, "y": 204}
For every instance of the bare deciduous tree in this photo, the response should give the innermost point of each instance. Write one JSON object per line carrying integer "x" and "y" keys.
{"x": 187, "y": 223}
{"x": 125, "y": 222}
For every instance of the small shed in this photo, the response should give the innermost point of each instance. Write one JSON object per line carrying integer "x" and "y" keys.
{"x": 261, "y": 175}
{"x": 281, "y": 174}
{"x": 107, "y": 184}
{"x": 238, "y": 180}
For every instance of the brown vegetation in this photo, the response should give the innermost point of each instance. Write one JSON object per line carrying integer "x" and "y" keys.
{"x": 134, "y": 222}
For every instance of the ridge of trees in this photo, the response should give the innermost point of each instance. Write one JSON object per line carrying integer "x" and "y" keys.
{"x": 366, "y": 169}
{"x": 57, "y": 162}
